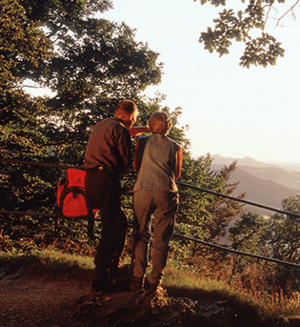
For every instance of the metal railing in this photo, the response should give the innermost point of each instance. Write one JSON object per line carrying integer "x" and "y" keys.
{"x": 296, "y": 215}
{"x": 223, "y": 248}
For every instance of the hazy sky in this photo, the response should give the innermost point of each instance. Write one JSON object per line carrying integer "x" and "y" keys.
{"x": 232, "y": 111}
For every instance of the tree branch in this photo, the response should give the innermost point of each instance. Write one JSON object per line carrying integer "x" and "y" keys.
{"x": 31, "y": 86}
{"x": 290, "y": 10}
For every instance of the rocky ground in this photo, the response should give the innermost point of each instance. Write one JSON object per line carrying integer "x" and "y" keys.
{"x": 39, "y": 297}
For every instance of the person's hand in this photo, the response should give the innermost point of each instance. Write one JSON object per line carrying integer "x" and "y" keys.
{"x": 138, "y": 130}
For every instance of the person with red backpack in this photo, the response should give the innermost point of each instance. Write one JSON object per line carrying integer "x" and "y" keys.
{"x": 107, "y": 156}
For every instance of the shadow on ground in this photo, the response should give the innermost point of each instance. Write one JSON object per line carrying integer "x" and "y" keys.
{"x": 35, "y": 293}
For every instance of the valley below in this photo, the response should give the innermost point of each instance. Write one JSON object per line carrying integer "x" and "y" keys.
{"x": 264, "y": 183}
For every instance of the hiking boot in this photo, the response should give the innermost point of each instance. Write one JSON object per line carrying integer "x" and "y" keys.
{"x": 119, "y": 272}
{"x": 154, "y": 287}
{"x": 121, "y": 284}
{"x": 135, "y": 284}
{"x": 101, "y": 282}
{"x": 100, "y": 285}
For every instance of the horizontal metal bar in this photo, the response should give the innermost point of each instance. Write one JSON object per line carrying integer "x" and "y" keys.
{"x": 219, "y": 247}
{"x": 40, "y": 164}
{"x": 130, "y": 223}
{"x": 26, "y": 213}
{"x": 178, "y": 182}
{"x": 239, "y": 200}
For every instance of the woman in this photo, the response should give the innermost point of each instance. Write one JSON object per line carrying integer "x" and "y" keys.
{"x": 158, "y": 160}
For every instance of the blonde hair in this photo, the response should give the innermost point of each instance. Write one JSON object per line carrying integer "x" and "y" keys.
{"x": 160, "y": 123}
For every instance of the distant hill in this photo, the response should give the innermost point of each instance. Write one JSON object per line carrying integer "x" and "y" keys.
{"x": 247, "y": 161}
{"x": 265, "y": 183}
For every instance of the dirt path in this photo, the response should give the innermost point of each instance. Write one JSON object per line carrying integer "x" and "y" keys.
{"x": 28, "y": 299}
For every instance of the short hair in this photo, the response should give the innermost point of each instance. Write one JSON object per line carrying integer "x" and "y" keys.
{"x": 127, "y": 106}
{"x": 160, "y": 123}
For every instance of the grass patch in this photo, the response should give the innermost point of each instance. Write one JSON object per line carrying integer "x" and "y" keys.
{"x": 49, "y": 263}
{"x": 198, "y": 287}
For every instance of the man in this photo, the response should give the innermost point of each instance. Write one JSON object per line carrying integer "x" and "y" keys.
{"x": 107, "y": 156}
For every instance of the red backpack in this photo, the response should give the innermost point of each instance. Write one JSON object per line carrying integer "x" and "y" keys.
{"x": 71, "y": 198}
